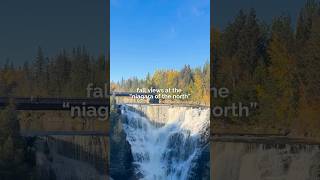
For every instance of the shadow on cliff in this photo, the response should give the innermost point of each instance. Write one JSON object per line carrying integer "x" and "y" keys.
{"x": 121, "y": 159}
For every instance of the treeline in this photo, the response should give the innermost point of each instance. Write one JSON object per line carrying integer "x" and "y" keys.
{"x": 66, "y": 74}
{"x": 193, "y": 81}
{"x": 276, "y": 65}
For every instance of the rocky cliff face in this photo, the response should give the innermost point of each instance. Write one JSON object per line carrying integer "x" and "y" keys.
{"x": 121, "y": 160}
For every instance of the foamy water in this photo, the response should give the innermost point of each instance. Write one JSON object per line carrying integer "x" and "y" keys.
{"x": 168, "y": 151}
{"x": 250, "y": 161}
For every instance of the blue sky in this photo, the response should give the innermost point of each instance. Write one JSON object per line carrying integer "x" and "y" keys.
{"x": 224, "y": 11}
{"x": 52, "y": 25}
{"x": 157, "y": 34}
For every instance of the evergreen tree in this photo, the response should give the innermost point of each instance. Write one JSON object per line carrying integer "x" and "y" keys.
{"x": 13, "y": 161}
{"x": 39, "y": 72}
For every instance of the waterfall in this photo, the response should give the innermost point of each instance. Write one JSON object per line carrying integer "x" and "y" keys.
{"x": 72, "y": 157}
{"x": 170, "y": 150}
{"x": 252, "y": 161}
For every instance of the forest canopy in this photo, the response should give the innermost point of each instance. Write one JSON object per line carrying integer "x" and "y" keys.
{"x": 276, "y": 65}
{"x": 66, "y": 74}
{"x": 195, "y": 81}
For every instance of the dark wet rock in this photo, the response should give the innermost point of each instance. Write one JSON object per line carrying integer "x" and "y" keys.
{"x": 121, "y": 160}
{"x": 201, "y": 166}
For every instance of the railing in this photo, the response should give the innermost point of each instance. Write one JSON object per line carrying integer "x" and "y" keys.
{"x": 63, "y": 133}
{"x": 61, "y": 103}
{"x": 272, "y": 139}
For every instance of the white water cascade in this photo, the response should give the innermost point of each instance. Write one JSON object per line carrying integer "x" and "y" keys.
{"x": 72, "y": 157}
{"x": 170, "y": 149}
{"x": 253, "y": 161}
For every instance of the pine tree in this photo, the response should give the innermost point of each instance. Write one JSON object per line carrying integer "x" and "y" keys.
{"x": 281, "y": 89}
{"x": 39, "y": 72}
{"x": 13, "y": 162}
